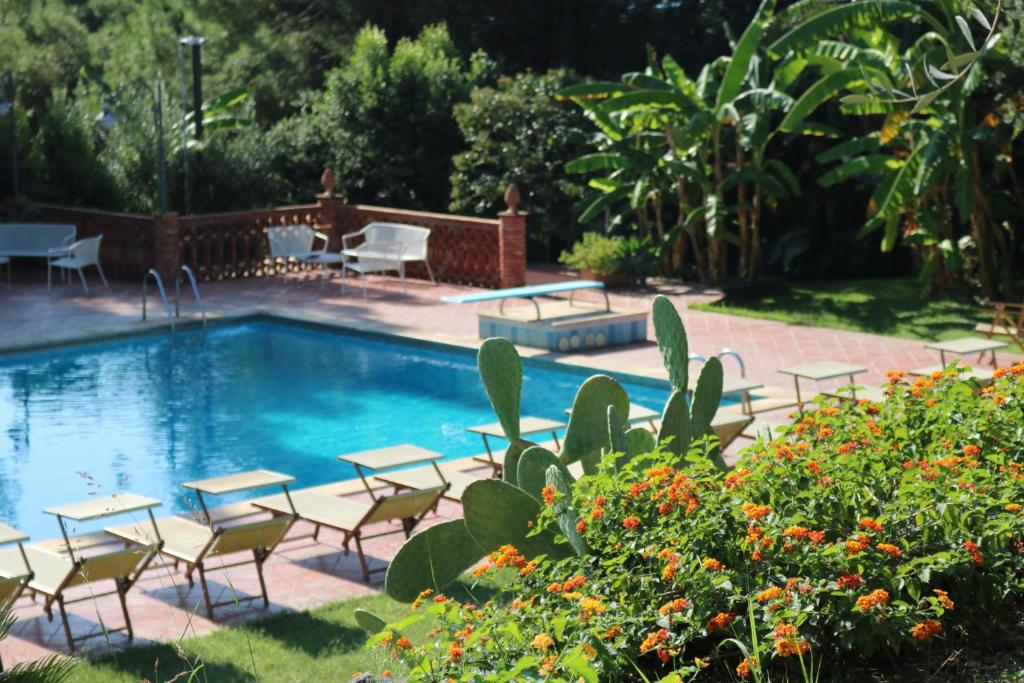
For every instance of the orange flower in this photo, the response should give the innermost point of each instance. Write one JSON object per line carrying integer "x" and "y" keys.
{"x": 972, "y": 451}
{"x": 1012, "y": 507}
{"x": 976, "y": 555}
{"x": 454, "y": 652}
{"x": 677, "y": 605}
{"x": 943, "y": 598}
{"x": 797, "y": 532}
{"x": 890, "y": 549}
{"x": 548, "y": 493}
{"x": 755, "y": 512}
{"x": 719, "y": 621}
{"x": 669, "y": 571}
{"x": 581, "y": 526}
{"x": 743, "y": 670}
{"x": 849, "y": 581}
{"x": 653, "y": 640}
{"x": 631, "y": 523}
{"x": 870, "y": 524}
{"x": 403, "y": 643}
{"x": 873, "y": 599}
{"x": 714, "y": 565}
{"x": 925, "y": 629}
{"x": 769, "y": 594}
{"x": 784, "y": 647}
{"x": 597, "y": 513}
{"x": 612, "y": 632}
{"x": 854, "y": 547}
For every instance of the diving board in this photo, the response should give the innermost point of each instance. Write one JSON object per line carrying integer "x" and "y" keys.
{"x": 564, "y": 324}
{"x": 530, "y": 293}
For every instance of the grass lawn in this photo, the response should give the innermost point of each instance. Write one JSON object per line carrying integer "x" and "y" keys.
{"x": 321, "y": 645}
{"x": 896, "y": 307}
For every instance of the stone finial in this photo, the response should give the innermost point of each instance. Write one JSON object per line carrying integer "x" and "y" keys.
{"x": 328, "y": 181}
{"x": 512, "y": 199}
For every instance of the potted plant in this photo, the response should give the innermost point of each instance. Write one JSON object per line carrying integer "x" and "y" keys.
{"x": 611, "y": 259}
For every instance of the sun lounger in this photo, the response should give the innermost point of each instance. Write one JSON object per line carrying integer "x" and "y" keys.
{"x": 727, "y": 425}
{"x": 14, "y": 570}
{"x": 769, "y": 429}
{"x": 350, "y": 517}
{"x": 421, "y": 478}
{"x": 195, "y": 542}
{"x": 55, "y": 569}
{"x": 1007, "y": 320}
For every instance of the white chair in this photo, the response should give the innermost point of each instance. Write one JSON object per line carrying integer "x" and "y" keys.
{"x": 78, "y": 256}
{"x": 385, "y": 247}
{"x": 294, "y": 244}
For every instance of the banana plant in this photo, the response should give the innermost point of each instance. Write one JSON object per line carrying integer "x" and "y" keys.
{"x": 503, "y": 512}
{"x": 661, "y": 129}
{"x": 924, "y": 164}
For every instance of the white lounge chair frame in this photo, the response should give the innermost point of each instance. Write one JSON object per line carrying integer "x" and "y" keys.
{"x": 78, "y": 256}
{"x": 294, "y": 244}
{"x": 386, "y": 247}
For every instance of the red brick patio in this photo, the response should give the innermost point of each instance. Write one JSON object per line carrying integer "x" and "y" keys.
{"x": 302, "y": 575}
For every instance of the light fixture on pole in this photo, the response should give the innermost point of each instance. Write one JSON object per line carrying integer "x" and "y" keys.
{"x": 107, "y": 120}
{"x": 7, "y": 108}
{"x": 196, "y": 43}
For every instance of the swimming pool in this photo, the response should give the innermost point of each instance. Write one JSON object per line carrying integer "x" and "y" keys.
{"x": 145, "y": 414}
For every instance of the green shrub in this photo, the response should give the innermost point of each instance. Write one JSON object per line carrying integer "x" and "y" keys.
{"x": 597, "y": 252}
{"x": 517, "y": 132}
{"x": 631, "y": 258}
{"x": 867, "y": 530}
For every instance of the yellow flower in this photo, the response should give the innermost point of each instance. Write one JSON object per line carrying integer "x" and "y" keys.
{"x": 589, "y": 651}
{"x": 701, "y": 663}
{"x": 542, "y": 641}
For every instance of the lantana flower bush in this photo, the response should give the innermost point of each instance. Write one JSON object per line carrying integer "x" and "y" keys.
{"x": 867, "y": 530}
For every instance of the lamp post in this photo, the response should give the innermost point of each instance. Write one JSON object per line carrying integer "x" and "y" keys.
{"x": 7, "y": 108}
{"x": 107, "y": 120}
{"x": 196, "y": 45}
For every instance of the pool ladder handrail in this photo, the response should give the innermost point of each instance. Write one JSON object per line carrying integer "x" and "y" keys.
{"x": 724, "y": 352}
{"x": 185, "y": 270}
{"x": 163, "y": 295}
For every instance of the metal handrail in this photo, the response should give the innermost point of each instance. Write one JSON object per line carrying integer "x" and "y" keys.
{"x": 195, "y": 290}
{"x": 739, "y": 359}
{"x": 163, "y": 295}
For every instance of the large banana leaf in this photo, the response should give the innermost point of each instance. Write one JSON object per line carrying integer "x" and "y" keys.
{"x": 850, "y": 147}
{"x": 825, "y": 89}
{"x": 841, "y": 20}
{"x": 856, "y": 167}
{"x": 739, "y": 63}
{"x": 598, "y": 161}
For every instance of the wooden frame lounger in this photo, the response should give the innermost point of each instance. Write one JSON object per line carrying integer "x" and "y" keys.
{"x": 349, "y": 516}
{"x": 53, "y": 574}
{"x": 195, "y": 544}
{"x": 421, "y": 478}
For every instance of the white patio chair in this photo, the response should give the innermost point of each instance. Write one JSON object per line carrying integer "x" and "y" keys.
{"x": 294, "y": 244}
{"x": 78, "y": 256}
{"x": 394, "y": 243}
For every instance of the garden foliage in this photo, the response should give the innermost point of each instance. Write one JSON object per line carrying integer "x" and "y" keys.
{"x": 867, "y": 530}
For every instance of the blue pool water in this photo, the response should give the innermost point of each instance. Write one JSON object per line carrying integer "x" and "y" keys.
{"x": 147, "y": 413}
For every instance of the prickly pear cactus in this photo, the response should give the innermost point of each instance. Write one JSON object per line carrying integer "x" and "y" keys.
{"x": 533, "y": 467}
{"x": 433, "y": 558}
{"x": 587, "y": 433}
{"x": 566, "y": 515}
{"x": 668, "y": 328}
{"x": 675, "y": 423}
{"x": 498, "y": 513}
{"x": 501, "y": 372}
{"x": 707, "y": 396}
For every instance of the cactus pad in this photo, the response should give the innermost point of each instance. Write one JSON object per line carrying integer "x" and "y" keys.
{"x": 565, "y": 514}
{"x": 706, "y": 396}
{"x": 675, "y": 422}
{"x": 533, "y": 467}
{"x": 433, "y": 558}
{"x": 501, "y": 372}
{"x": 587, "y": 432}
{"x": 498, "y": 513}
{"x": 668, "y": 328}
